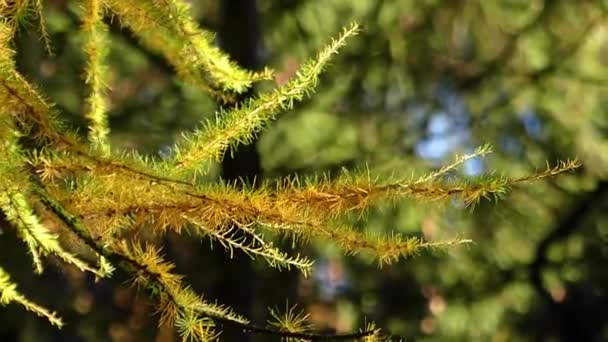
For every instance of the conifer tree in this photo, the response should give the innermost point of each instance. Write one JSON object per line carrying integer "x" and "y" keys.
{"x": 76, "y": 197}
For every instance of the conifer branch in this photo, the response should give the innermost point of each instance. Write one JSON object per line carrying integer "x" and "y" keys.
{"x": 78, "y": 161}
{"x": 550, "y": 171}
{"x": 223, "y": 213}
{"x": 481, "y": 151}
{"x": 14, "y": 185}
{"x": 384, "y": 249}
{"x": 16, "y": 13}
{"x": 37, "y": 237}
{"x": 10, "y": 294}
{"x": 223, "y": 72}
{"x": 296, "y": 326}
{"x": 357, "y": 191}
{"x": 307, "y": 211}
{"x": 22, "y": 101}
{"x": 146, "y": 265}
{"x": 12, "y": 12}
{"x": 178, "y": 303}
{"x": 42, "y": 26}
{"x": 96, "y": 50}
{"x": 188, "y": 48}
{"x": 246, "y": 240}
{"x": 6, "y": 35}
{"x": 242, "y": 123}
{"x": 290, "y": 320}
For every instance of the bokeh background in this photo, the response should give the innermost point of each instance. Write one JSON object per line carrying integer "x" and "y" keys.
{"x": 425, "y": 80}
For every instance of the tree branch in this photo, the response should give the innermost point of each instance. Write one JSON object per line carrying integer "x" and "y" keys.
{"x": 568, "y": 225}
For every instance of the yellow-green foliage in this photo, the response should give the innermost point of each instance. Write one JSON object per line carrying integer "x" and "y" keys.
{"x": 110, "y": 194}
{"x": 166, "y": 26}
{"x": 95, "y": 49}
{"x": 9, "y": 294}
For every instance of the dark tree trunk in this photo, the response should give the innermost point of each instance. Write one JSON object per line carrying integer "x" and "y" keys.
{"x": 240, "y": 287}
{"x": 239, "y": 36}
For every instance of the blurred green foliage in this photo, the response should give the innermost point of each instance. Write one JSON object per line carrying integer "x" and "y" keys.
{"x": 431, "y": 78}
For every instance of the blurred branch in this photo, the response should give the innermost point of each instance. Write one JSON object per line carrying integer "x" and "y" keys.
{"x": 496, "y": 65}
{"x": 556, "y": 67}
{"x": 567, "y": 226}
{"x": 156, "y": 59}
